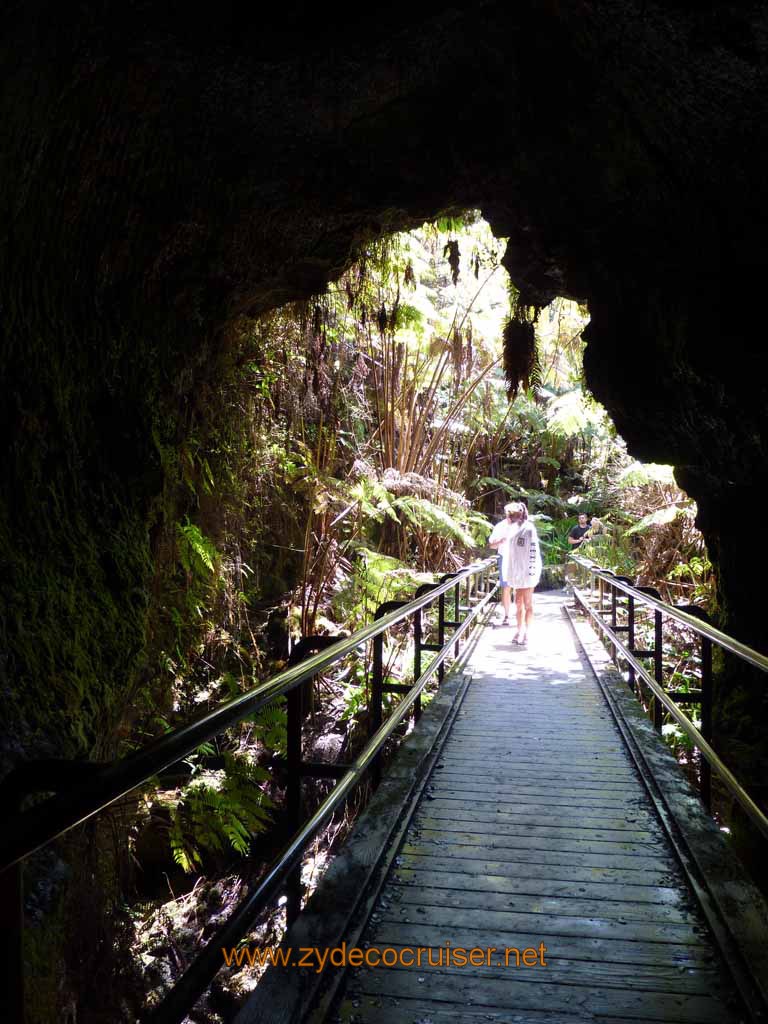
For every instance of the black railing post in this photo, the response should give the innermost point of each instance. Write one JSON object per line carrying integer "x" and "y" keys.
{"x": 612, "y": 607}
{"x": 418, "y": 637}
{"x": 378, "y": 689}
{"x": 612, "y": 604}
{"x": 417, "y": 633}
{"x": 293, "y": 794}
{"x": 658, "y": 668}
{"x": 631, "y": 639}
{"x": 457, "y": 614}
{"x": 441, "y": 634}
{"x": 656, "y": 652}
{"x": 706, "y": 718}
{"x": 377, "y": 698}
{"x": 705, "y": 787}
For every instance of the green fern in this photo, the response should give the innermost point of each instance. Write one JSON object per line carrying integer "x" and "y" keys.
{"x": 197, "y": 553}
{"x": 270, "y": 724}
{"x": 493, "y": 483}
{"x": 431, "y": 518}
{"x": 479, "y": 526}
{"x": 219, "y": 809}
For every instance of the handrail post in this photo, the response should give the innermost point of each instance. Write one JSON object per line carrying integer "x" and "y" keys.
{"x": 417, "y": 634}
{"x": 441, "y": 634}
{"x": 377, "y": 697}
{"x": 658, "y": 668}
{"x": 705, "y": 779}
{"x": 293, "y": 794}
{"x": 706, "y": 718}
{"x": 457, "y": 613}
{"x": 631, "y": 639}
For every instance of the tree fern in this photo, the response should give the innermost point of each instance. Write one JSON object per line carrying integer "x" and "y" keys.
{"x": 425, "y": 515}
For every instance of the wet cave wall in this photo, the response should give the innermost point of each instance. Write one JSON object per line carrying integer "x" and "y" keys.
{"x": 165, "y": 173}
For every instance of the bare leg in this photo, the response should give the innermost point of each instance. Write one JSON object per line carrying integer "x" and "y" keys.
{"x": 519, "y": 611}
{"x": 506, "y": 602}
{"x": 525, "y": 598}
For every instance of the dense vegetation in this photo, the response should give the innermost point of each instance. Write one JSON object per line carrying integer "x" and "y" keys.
{"x": 353, "y": 444}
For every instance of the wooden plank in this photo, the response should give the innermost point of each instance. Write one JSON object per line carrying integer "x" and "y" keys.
{"x": 562, "y": 971}
{"x": 543, "y": 834}
{"x": 513, "y": 813}
{"x": 519, "y": 870}
{"x": 543, "y": 810}
{"x": 549, "y": 749}
{"x": 593, "y": 950}
{"x": 510, "y": 921}
{"x": 562, "y": 905}
{"x": 460, "y": 784}
{"x": 502, "y": 824}
{"x": 535, "y": 885}
{"x": 512, "y": 994}
{"x": 556, "y": 733}
{"x": 565, "y": 791}
{"x": 460, "y": 749}
{"x": 555, "y": 736}
{"x": 377, "y": 1010}
{"x": 544, "y": 774}
{"x": 479, "y": 846}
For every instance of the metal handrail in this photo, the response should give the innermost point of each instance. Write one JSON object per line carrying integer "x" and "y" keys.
{"x": 201, "y": 971}
{"x": 710, "y": 633}
{"x": 34, "y": 828}
{"x": 728, "y": 643}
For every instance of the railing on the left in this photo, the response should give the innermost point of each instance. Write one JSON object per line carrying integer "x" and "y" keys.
{"x": 93, "y": 787}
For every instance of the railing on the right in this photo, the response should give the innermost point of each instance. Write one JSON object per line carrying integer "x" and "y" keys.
{"x": 603, "y": 602}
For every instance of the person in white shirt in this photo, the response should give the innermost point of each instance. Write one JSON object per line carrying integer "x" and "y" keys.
{"x": 500, "y": 538}
{"x": 517, "y": 542}
{"x": 524, "y": 571}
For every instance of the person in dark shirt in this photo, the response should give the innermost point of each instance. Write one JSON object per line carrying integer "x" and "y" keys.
{"x": 576, "y": 533}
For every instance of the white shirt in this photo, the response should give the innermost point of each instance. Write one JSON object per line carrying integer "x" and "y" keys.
{"x": 504, "y": 531}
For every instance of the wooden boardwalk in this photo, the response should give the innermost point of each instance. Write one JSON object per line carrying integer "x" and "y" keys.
{"x": 536, "y": 828}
